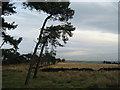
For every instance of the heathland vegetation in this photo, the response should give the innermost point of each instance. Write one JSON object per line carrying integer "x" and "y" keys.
{"x": 14, "y": 76}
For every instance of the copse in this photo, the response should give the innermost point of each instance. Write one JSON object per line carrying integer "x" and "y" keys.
{"x": 12, "y": 57}
{"x": 48, "y": 59}
{"x": 63, "y": 60}
{"x": 59, "y": 11}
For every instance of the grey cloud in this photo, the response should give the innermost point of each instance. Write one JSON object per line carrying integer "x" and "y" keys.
{"x": 95, "y": 16}
{"x": 89, "y": 51}
{"x": 26, "y": 46}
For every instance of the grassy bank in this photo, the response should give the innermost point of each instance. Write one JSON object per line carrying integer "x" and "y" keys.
{"x": 14, "y": 77}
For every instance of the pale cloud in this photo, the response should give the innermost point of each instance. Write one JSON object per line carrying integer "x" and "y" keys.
{"x": 95, "y": 36}
{"x": 30, "y": 33}
{"x": 90, "y": 45}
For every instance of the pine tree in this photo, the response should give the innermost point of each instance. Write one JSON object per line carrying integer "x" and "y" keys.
{"x": 56, "y": 11}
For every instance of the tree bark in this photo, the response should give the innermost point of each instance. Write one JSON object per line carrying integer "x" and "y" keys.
{"x": 28, "y": 74}
{"x": 35, "y": 50}
{"x": 2, "y": 44}
{"x": 41, "y": 32}
{"x": 37, "y": 65}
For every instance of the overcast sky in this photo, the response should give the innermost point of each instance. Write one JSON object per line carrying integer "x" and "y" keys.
{"x": 95, "y": 37}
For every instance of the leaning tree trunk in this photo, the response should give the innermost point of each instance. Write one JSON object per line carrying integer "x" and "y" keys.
{"x": 32, "y": 62}
{"x": 39, "y": 59}
{"x": 2, "y": 44}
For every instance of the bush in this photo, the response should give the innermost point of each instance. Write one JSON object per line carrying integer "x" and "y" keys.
{"x": 10, "y": 56}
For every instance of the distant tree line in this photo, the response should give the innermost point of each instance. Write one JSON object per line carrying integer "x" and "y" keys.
{"x": 108, "y": 62}
{"x": 10, "y": 56}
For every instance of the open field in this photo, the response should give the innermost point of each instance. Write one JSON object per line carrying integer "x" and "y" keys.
{"x": 83, "y": 65}
{"x": 14, "y": 77}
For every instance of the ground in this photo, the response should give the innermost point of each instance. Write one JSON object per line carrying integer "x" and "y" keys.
{"x": 13, "y": 76}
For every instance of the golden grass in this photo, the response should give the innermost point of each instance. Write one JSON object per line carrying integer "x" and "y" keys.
{"x": 24, "y": 67}
{"x": 19, "y": 67}
{"x": 62, "y": 79}
{"x": 83, "y": 65}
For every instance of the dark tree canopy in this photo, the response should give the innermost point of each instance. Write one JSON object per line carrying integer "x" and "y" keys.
{"x": 54, "y": 33}
{"x": 6, "y": 25}
{"x": 12, "y": 57}
{"x": 11, "y": 40}
{"x": 8, "y": 9}
{"x": 58, "y": 10}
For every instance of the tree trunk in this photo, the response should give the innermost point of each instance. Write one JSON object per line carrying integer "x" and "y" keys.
{"x": 40, "y": 36}
{"x": 35, "y": 50}
{"x": 37, "y": 65}
{"x": 2, "y": 44}
{"x": 28, "y": 75}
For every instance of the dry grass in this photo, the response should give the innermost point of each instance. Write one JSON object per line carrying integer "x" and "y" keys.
{"x": 62, "y": 79}
{"x": 20, "y": 67}
{"x": 24, "y": 67}
{"x": 83, "y": 65}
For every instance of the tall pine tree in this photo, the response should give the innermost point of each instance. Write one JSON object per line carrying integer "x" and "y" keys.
{"x": 56, "y": 11}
